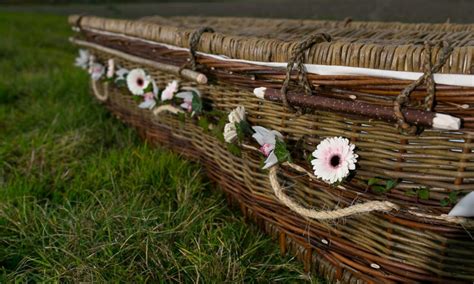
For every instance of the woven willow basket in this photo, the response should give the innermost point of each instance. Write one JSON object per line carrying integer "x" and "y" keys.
{"x": 408, "y": 236}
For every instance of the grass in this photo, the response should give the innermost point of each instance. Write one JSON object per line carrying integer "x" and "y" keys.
{"x": 83, "y": 199}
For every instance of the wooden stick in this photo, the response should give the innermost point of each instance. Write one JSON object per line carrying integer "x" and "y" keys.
{"x": 185, "y": 73}
{"x": 413, "y": 116}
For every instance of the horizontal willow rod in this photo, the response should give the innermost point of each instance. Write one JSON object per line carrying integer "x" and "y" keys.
{"x": 413, "y": 116}
{"x": 185, "y": 73}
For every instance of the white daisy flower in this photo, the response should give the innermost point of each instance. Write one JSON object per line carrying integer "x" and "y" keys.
{"x": 137, "y": 81}
{"x": 230, "y": 133}
{"x": 96, "y": 70}
{"x": 82, "y": 60}
{"x": 121, "y": 74}
{"x": 237, "y": 115}
{"x": 110, "y": 68}
{"x": 267, "y": 140}
{"x": 334, "y": 157}
{"x": 169, "y": 91}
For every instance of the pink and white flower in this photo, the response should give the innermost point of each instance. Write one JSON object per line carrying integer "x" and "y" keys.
{"x": 187, "y": 97}
{"x": 110, "y": 68}
{"x": 82, "y": 60}
{"x": 96, "y": 70}
{"x": 137, "y": 81}
{"x": 334, "y": 157}
{"x": 267, "y": 140}
{"x": 169, "y": 91}
{"x": 149, "y": 101}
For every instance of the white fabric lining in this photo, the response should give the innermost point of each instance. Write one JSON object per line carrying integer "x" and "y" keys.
{"x": 461, "y": 80}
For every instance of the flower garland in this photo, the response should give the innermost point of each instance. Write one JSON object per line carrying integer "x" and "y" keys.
{"x": 333, "y": 158}
{"x": 141, "y": 85}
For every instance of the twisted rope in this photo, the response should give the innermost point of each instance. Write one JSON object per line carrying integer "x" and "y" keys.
{"x": 366, "y": 207}
{"x": 193, "y": 43}
{"x": 96, "y": 92}
{"x": 168, "y": 108}
{"x": 296, "y": 62}
{"x": 370, "y": 206}
{"x": 426, "y": 78}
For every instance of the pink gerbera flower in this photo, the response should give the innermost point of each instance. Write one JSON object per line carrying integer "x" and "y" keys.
{"x": 333, "y": 159}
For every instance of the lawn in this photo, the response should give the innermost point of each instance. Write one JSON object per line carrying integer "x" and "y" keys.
{"x": 82, "y": 199}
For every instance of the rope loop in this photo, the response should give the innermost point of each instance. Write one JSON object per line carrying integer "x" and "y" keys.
{"x": 194, "y": 39}
{"x": 296, "y": 62}
{"x": 428, "y": 79}
{"x": 369, "y": 206}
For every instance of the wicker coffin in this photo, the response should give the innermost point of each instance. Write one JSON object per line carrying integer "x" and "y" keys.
{"x": 381, "y": 85}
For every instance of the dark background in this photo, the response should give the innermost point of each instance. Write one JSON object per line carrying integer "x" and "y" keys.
{"x": 455, "y": 11}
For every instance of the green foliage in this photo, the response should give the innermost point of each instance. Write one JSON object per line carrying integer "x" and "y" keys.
{"x": 234, "y": 149}
{"x": 82, "y": 199}
{"x": 243, "y": 130}
{"x": 451, "y": 199}
{"x": 203, "y": 123}
{"x": 196, "y": 103}
{"x": 380, "y": 186}
{"x": 148, "y": 88}
{"x": 421, "y": 193}
{"x": 281, "y": 152}
{"x": 218, "y": 130}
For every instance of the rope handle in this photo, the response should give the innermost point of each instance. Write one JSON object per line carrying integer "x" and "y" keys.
{"x": 404, "y": 97}
{"x": 366, "y": 207}
{"x": 194, "y": 39}
{"x": 296, "y": 62}
{"x": 105, "y": 87}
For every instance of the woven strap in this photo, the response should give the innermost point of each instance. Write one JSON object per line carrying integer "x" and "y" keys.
{"x": 296, "y": 62}
{"x": 193, "y": 43}
{"x": 101, "y": 97}
{"x": 427, "y": 78}
{"x": 370, "y": 206}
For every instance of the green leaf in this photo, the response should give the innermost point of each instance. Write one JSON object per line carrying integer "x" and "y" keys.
{"x": 281, "y": 152}
{"x": 196, "y": 103}
{"x": 136, "y": 98}
{"x": 391, "y": 183}
{"x": 378, "y": 189}
{"x": 444, "y": 202}
{"x": 218, "y": 130}
{"x": 453, "y": 197}
{"x": 203, "y": 123}
{"x": 149, "y": 88}
{"x": 424, "y": 193}
{"x": 234, "y": 150}
{"x": 373, "y": 181}
{"x": 411, "y": 192}
{"x": 181, "y": 117}
{"x": 246, "y": 128}
{"x": 240, "y": 132}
